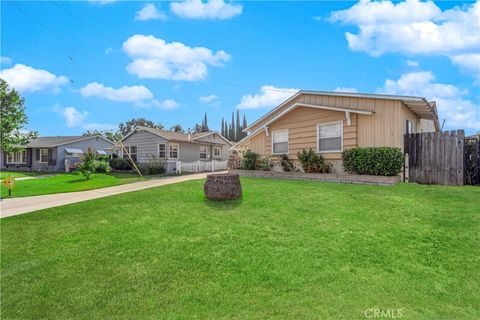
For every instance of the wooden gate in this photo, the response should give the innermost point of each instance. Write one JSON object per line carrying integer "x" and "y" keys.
{"x": 435, "y": 157}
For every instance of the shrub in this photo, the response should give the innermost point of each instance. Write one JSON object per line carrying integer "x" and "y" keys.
{"x": 151, "y": 167}
{"x": 102, "y": 166}
{"x": 286, "y": 164}
{"x": 249, "y": 161}
{"x": 120, "y": 164}
{"x": 312, "y": 162}
{"x": 263, "y": 164}
{"x": 378, "y": 161}
{"x": 87, "y": 165}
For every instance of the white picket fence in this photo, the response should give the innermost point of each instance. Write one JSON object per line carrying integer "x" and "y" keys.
{"x": 201, "y": 166}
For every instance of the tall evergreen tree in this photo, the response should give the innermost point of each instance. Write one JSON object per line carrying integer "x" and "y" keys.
{"x": 205, "y": 121}
{"x": 237, "y": 127}
{"x": 244, "y": 126}
{"x": 232, "y": 128}
{"x": 223, "y": 128}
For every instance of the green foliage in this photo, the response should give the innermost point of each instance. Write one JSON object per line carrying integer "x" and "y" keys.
{"x": 102, "y": 166}
{"x": 13, "y": 119}
{"x": 127, "y": 127}
{"x": 177, "y": 128}
{"x": 286, "y": 164}
{"x": 87, "y": 166}
{"x": 378, "y": 161}
{"x": 471, "y": 165}
{"x": 263, "y": 164}
{"x": 120, "y": 164}
{"x": 312, "y": 162}
{"x": 249, "y": 161}
{"x": 110, "y": 135}
{"x": 151, "y": 167}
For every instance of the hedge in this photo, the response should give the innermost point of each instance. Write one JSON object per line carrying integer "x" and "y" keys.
{"x": 378, "y": 161}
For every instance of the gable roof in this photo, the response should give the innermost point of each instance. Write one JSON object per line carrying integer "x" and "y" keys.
{"x": 418, "y": 105}
{"x": 176, "y": 136}
{"x": 50, "y": 142}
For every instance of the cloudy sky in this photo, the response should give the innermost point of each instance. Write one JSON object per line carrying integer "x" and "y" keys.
{"x": 91, "y": 64}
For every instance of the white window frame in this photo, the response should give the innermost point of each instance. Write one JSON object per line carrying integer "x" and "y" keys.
{"x": 203, "y": 152}
{"x": 129, "y": 150}
{"x": 341, "y": 136}
{"x": 170, "y": 150}
{"x": 17, "y": 157}
{"x": 41, "y": 151}
{"x": 164, "y": 150}
{"x": 412, "y": 125}
{"x": 219, "y": 149}
{"x": 288, "y": 141}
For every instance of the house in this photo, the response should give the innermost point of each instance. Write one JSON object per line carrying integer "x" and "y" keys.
{"x": 50, "y": 154}
{"x": 329, "y": 122}
{"x": 174, "y": 148}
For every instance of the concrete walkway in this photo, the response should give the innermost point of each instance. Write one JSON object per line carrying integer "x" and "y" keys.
{"x": 16, "y": 206}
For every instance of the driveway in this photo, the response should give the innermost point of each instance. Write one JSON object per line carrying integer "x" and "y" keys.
{"x": 16, "y": 206}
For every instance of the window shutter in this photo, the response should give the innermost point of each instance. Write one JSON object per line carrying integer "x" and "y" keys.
{"x": 37, "y": 154}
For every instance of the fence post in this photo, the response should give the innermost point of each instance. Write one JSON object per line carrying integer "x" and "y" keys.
{"x": 406, "y": 168}
{"x": 178, "y": 167}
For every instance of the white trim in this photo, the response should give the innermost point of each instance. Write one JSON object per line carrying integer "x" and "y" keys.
{"x": 40, "y": 155}
{"x": 200, "y": 152}
{"x": 210, "y": 133}
{"x": 349, "y": 119}
{"x": 219, "y": 152}
{"x": 341, "y": 136}
{"x": 165, "y": 150}
{"x": 178, "y": 150}
{"x": 288, "y": 141}
{"x": 13, "y": 154}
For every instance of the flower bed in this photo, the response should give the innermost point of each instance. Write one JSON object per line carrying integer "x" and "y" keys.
{"x": 331, "y": 177}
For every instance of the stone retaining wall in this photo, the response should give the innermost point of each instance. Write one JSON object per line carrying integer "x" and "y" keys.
{"x": 331, "y": 177}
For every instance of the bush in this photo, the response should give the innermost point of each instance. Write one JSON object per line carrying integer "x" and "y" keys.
{"x": 263, "y": 164}
{"x": 87, "y": 165}
{"x": 378, "y": 161}
{"x": 286, "y": 164}
{"x": 102, "y": 166}
{"x": 312, "y": 162}
{"x": 120, "y": 164}
{"x": 249, "y": 161}
{"x": 151, "y": 167}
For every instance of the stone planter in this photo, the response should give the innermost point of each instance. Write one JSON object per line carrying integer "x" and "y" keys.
{"x": 224, "y": 186}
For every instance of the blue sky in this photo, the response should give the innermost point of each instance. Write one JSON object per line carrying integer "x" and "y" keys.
{"x": 93, "y": 64}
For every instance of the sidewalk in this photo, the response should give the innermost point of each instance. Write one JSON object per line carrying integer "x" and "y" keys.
{"x": 16, "y": 206}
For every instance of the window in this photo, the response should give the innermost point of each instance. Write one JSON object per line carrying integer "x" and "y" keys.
{"x": 330, "y": 137}
{"x": 132, "y": 150}
{"x": 203, "y": 152}
{"x": 409, "y": 126}
{"x": 162, "y": 151}
{"x": 44, "y": 155}
{"x": 19, "y": 157}
{"x": 173, "y": 148}
{"x": 217, "y": 151}
{"x": 280, "y": 142}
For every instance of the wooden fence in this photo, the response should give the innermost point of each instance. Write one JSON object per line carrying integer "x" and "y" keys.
{"x": 472, "y": 161}
{"x": 435, "y": 157}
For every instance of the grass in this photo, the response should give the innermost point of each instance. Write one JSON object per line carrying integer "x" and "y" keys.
{"x": 18, "y": 174}
{"x": 63, "y": 182}
{"x": 288, "y": 249}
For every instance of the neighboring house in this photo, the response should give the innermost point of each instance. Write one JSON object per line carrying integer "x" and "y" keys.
{"x": 147, "y": 144}
{"x": 49, "y": 154}
{"x": 329, "y": 122}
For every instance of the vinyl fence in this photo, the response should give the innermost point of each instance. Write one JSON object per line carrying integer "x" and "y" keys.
{"x": 201, "y": 166}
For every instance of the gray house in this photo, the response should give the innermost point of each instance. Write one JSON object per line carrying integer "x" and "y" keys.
{"x": 49, "y": 154}
{"x": 179, "y": 151}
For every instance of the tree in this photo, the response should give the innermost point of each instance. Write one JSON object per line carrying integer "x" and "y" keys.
{"x": 223, "y": 128}
{"x": 87, "y": 166}
{"x": 110, "y": 135}
{"x": 177, "y": 128}
{"x": 127, "y": 127}
{"x": 13, "y": 120}
{"x": 205, "y": 121}
{"x": 237, "y": 127}
{"x": 232, "y": 128}
{"x": 244, "y": 126}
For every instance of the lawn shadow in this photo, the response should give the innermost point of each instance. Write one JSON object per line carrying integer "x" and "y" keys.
{"x": 225, "y": 205}
{"x": 76, "y": 180}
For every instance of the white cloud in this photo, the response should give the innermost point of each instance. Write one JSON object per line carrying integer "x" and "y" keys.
{"x": 412, "y": 27}
{"x": 123, "y": 94}
{"x": 109, "y": 50}
{"x": 102, "y": 2}
{"x": 168, "y": 104}
{"x": 24, "y": 78}
{"x": 469, "y": 62}
{"x": 268, "y": 97}
{"x": 213, "y": 9}
{"x": 154, "y": 58}
{"x": 458, "y": 111}
{"x": 412, "y": 63}
{"x": 73, "y": 117}
{"x": 208, "y": 99}
{"x": 5, "y": 60}
{"x": 345, "y": 89}
{"x": 150, "y": 12}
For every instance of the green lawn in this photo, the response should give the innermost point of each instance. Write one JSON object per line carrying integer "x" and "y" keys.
{"x": 287, "y": 250}
{"x": 67, "y": 182}
{"x": 18, "y": 174}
